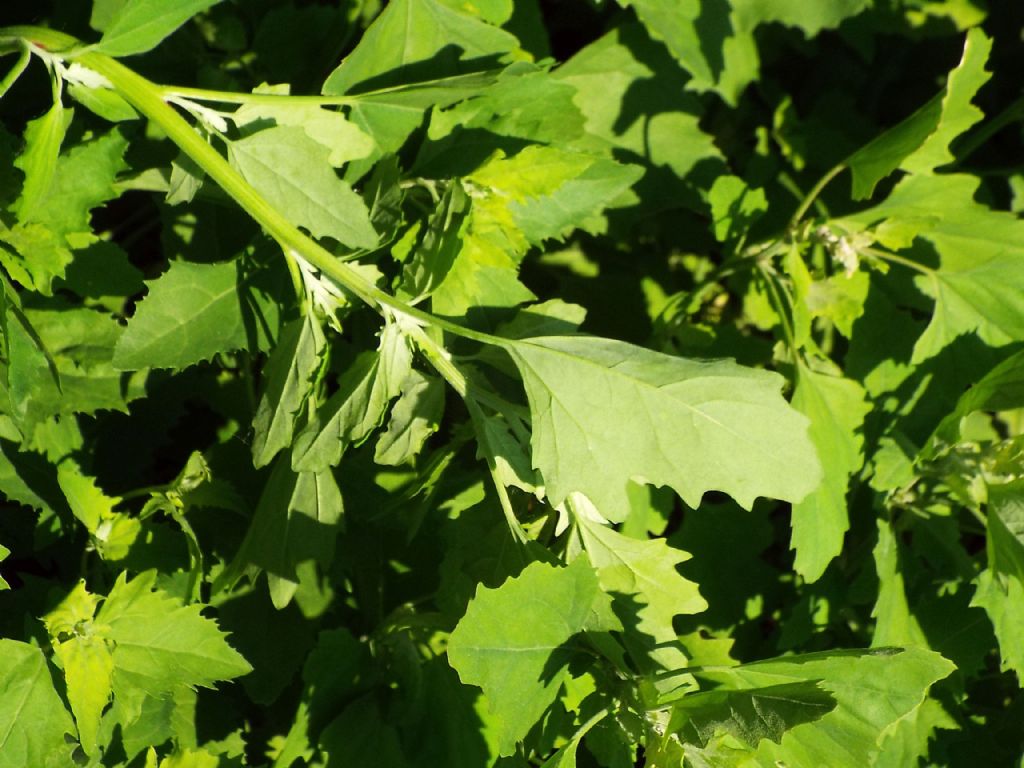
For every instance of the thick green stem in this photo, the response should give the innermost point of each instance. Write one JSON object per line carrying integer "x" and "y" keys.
{"x": 148, "y": 100}
{"x": 16, "y": 70}
{"x": 816, "y": 190}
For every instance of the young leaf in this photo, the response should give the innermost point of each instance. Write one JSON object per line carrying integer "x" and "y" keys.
{"x": 643, "y": 572}
{"x": 510, "y": 641}
{"x": 43, "y": 137}
{"x": 750, "y": 715}
{"x": 920, "y": 143}
{"x": 33, "y": 720}
{"x": 292, "y": 171}
{"x": 836, "y": 408}
{"x": 605, "y": 412}
{"x": 191, "y": 313}
{"x": 414, "y": 417}
{"x": 289, "y": 376}
{"x": 159, "y": 644}
{"x": 86, "y": 660}
{"x": 139, "y": 25}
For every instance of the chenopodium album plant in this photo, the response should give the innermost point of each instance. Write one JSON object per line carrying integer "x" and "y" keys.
{"x": 464, "y": 506}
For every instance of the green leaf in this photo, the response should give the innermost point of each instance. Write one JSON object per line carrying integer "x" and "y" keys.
{"x": 160, "y": 644}
{"x": 605, "y": 412}
{"x": 88, "y": 669}
{"x": 293, "y": 172}
{"x": 1001, "y": 389}
{"x": 874, "y": 690}
{"x": 715, "y": 42}
{"x": 415, "y": 416}
{"x": 1000, "y": 588}
{"x": 920, "y": 143}
{"x": 894, "y": 622}
{"x": 33, "y": 720}
{"x": 289, "y": 380}
{"x": 749, "y": 715}
{"x": 192, "y": 312}
{"x": 416, "y": 40}
{"x": 88, "y": 503}
{"x": 734, "y": 207}
{"x": 139, "y": 25}
{"x": 4, "y": 552}
{"x": 296, "y": 520}
{"x": 43, "y": 137}
{"x": 510, "y": 641}
{"x": 644, "y": 573}
{"x": 630, "y": 92}
{"x": 344, "y": 140}
{"x": 978, "y": 284}
{"x": 348, "y": 416}
{"x": 836, "y": 408}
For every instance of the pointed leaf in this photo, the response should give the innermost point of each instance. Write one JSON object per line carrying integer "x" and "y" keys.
{"x": 605, "y": 413}
{"x": 139, "y": 25}
{"x": 289, "y": 376}
{"x": 191, "y": 313}
{"x": 920, "y": 143}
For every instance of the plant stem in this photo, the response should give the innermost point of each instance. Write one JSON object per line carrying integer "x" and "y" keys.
{"x": 816, "y": 190}
{"x": 974, "y": 141}
{"x": 901, "y": 260}
{"x": 16, "y": 70}
{"x": 147, "y": 98}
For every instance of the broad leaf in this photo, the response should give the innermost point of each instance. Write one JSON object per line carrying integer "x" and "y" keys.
{"x": 605, "y": 413}
{"x": 33, "y": 720}
{"x": 160, "y": 644}
{"x": 873, "y": 691}
{"x": 894, "y": 622}
{"x": 414, "y": 40}
{"x": 139, "y": 25}
{"x": 292, "y": 171}
{"x": 836, "y": 408}
{"x": 191, "y": 313}
{"x": 510, "y": 641}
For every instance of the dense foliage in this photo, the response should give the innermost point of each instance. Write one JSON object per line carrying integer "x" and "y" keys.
{"x": 477, "y": 382}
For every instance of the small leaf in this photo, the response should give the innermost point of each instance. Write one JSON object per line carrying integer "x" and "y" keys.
{"x": 139, "y": 25}
{"x": 289, "y": 376}
{"x": 415, "y": 416}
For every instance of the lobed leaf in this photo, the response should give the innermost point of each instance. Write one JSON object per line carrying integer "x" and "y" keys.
{"x": 605, "y": 412}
